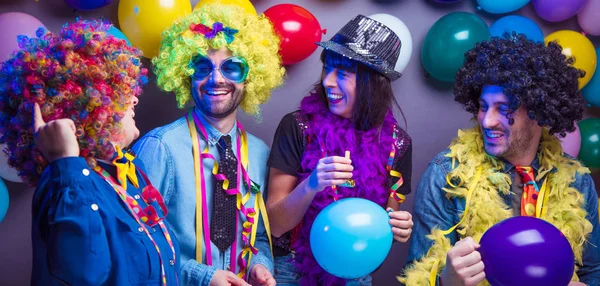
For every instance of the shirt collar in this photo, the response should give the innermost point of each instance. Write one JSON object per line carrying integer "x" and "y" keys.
{"x": 508, "y": 166}
{"x": 213, "y": 133}
{"x": 108, "y": 167}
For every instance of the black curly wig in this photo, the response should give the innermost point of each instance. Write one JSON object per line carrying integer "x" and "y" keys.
{"x": 536, "y": 75}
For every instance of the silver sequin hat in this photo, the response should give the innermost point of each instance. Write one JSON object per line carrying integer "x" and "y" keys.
{"x": 369, "y": 42}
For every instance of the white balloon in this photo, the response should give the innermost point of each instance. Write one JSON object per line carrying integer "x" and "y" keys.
{"x": 7, "y": 172}
{"x": 403, "y": 33}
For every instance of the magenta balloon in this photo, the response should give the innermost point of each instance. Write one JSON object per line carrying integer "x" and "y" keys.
{"x": 557, "y": 10}
{"x": 589, "y": 18}
{"x": 526, "y": 251}
{"x": 14, "y": 24}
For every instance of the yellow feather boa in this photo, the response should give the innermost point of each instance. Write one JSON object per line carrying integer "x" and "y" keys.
{"x": 566, "y": 204}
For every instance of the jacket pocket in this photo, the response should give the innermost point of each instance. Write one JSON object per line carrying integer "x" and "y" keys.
{"x": 143, "y": 261}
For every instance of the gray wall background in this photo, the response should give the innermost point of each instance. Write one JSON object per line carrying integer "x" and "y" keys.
{"x": 433, "y": 117}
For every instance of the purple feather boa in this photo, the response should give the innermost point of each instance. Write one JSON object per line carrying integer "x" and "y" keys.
{"x": 369, "y": 151}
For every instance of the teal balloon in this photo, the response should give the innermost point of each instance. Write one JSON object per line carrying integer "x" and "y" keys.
{"x": 118, "y": 34}
{"x": 519, "y": 25}
{"x": 501, "y": 6}
{"x": 448, "y": 40}
{"x": 589, "y": 153}
{"x": 351, "y": 237}
{"x": 591, "y": 91}
{"x": 3, "y": 200}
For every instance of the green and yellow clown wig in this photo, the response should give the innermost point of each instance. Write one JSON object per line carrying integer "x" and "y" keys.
{"x": 82, "y": 74}
{"x": 255, "y": 41}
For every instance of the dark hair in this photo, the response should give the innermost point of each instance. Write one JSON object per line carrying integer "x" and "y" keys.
{"x": 374, "y": 94}
{"x": 536, "y": 75}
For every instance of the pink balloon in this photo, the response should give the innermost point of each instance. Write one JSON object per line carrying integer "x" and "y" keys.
{"x": 572, "y": 142}
{"x": 589, "y": 18}
{"x": 14, "y": 24}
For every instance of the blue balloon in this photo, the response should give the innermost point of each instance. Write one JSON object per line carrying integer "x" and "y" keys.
{"x": 518, "y": 24}
{"x": 118, "y": 34}
{"x": 501, "y": 6}
{"x": 3, "y": 200}
{"x": 351, "y": 237}
{"x": 591, "y": 91}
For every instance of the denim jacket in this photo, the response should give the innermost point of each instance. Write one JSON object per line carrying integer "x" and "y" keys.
{"x": 167, "y": 153}
{"x": 83, "y": 234}
{"x": 433, "y": 209}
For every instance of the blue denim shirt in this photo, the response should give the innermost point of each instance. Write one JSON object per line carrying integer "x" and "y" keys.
{"x": 433, "y": 209}
{"x": 167, "y": 153}
{"x": 83, "y": 234}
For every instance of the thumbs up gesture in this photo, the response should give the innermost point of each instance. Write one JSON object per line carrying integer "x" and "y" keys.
{"x": 56, "y": 139}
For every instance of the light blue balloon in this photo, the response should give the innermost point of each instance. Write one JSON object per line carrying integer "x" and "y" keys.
{"x": 351, "y": 237}
{"x": 501, "y": 6}
{"x": 3, "y": 200}
{"x": 118, "y": 34}
{"x": 518, "y": 24}
{"x": 591, "y": 91}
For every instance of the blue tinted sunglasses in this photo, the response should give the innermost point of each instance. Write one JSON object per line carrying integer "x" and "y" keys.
{"x": 233, "y": 68}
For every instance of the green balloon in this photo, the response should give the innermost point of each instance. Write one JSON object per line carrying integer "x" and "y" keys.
{"x": 590, "y": 142}
{"x": 448, "y": 40}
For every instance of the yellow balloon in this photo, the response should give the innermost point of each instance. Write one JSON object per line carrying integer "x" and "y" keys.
{"x": 242, "y": 3}
{"x": 143, "y": 21}
{"x": 577, "y": 45}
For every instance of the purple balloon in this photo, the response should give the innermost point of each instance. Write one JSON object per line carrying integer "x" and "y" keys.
{"x": 446, "y": 1}
{"x": 88, "y": 4}
{"x": 526, "y": 251}
{"x": 557, "y": 10}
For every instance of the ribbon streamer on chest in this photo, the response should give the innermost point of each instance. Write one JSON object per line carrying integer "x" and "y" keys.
{"x": 250, "y": 215}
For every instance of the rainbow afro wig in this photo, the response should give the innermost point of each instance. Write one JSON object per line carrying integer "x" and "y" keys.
{"x": 255, "y": 41}
{"x": 82, "y": 74}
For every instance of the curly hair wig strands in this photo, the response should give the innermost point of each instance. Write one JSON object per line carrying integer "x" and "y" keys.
{"x": 82, "y": 74}
{"x": 255, "y": 42}
{"x": 532, "y": 74}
